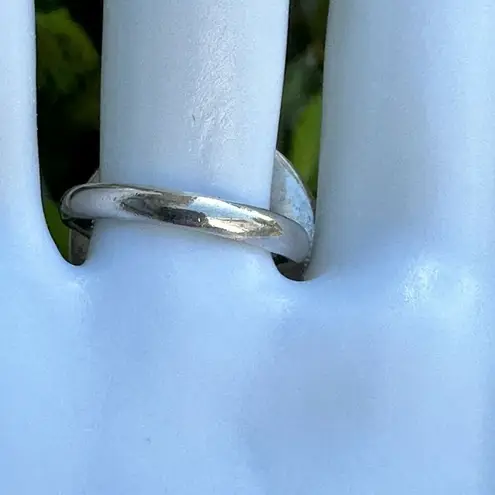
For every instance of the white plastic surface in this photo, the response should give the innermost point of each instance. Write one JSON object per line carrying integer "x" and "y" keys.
{"x": 176, "y": 363}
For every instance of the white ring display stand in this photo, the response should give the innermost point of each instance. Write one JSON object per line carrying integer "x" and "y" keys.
{"x": 173, "y": 362}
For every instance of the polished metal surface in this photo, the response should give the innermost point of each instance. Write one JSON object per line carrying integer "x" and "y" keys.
{"x": 286, "y": 230}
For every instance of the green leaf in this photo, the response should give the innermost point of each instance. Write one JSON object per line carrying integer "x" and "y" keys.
{"x": 65, "y": 54}
{"x": 84, "y": 109}
{"x": 317, "y": 14}
{"x": 68, "y": 101}
{"x": 306, "y": 142}
{"x": 302, "y": 78}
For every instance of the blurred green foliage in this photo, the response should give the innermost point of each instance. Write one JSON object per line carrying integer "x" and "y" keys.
{"x": 65, "y": 54}
{"x": 68, "y": 81}
{"x": 305, "y": 143}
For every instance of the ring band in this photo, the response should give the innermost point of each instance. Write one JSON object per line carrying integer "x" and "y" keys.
{"x": 289, "y": 198}
{"x": 251, "y": 225}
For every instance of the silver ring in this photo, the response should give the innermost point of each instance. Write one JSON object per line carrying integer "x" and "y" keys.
{"x": 287, "y": 229}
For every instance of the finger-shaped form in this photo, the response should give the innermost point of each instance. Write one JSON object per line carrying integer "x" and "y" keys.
{"x": 407, "y": 141}
{"x": 192, "y": 94}
{"x": 21, "y": 217}
{"x": 191, "y": 99}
